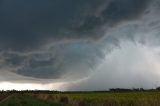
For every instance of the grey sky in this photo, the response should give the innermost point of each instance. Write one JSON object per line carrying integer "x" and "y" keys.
{"x": 65, "y": 40}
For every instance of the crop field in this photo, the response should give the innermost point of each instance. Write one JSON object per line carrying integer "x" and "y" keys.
{"x": 103, "y": 99}
{"x": 82, "y": 99}
{"x": 24, "y": 100}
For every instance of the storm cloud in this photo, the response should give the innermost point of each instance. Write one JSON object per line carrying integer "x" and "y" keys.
{"x": 26, "y": 25}
{"x": 68, "y": 39}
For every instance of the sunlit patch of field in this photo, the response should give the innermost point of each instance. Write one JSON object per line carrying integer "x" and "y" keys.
{"x": 103, "y": 99}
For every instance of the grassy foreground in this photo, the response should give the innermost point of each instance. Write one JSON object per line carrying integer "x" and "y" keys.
{"x": 103, "y": 99}
{"x": 143, "y": 98}
{"x": 22, "y": 100}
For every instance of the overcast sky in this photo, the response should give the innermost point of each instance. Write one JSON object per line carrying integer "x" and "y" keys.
{"x": 79, "y": 44}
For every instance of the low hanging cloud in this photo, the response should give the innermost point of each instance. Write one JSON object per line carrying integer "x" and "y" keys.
{"x": 68, "y": 39}
{"x": 130, "y": 66}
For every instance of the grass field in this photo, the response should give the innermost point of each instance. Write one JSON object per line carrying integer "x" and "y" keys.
{"x": 82, "y": 99}
{"x": 22, "y": 100}
{"x": 104, "y": 99}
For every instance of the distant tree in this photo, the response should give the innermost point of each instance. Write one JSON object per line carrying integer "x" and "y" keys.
{"x": 158, "y": 88}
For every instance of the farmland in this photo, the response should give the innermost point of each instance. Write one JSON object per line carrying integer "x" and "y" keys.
{"x": 24, "y": 100}
{"x": 143, "y": 98}
{"x": 104, "y": 99}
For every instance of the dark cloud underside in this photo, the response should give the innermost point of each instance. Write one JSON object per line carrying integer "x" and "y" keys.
{"x": 27, "y": 23}
{"x": 27, "y": 27}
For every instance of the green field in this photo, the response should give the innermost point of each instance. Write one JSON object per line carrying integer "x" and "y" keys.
{"x": 83, "y": 99}
{"x": 104, "y": 99}
{"x": 23, "y": 100}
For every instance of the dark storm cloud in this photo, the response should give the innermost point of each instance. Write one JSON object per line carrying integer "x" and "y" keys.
{"x": 29, "y": 26}
{"x": 76, "y": 59}
{"x": 54, "y": 63}
{"x": 26, "y": 23}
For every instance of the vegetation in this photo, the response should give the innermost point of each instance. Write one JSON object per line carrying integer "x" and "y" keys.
{"x": 23, "y": 100}
{"x": 104, "y": 99}
{"x": 3, "y": 96}
{"x": 114, "y": 97}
